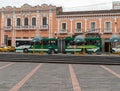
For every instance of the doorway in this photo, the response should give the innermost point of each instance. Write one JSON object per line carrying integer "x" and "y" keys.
{"x": 107, "y": 47}
{"x": 9, "y": 43}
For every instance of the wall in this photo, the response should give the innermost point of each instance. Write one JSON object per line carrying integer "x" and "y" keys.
{"x": 0, "y": 27}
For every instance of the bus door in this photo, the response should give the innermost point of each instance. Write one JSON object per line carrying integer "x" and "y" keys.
{"x": 61, "y": 45}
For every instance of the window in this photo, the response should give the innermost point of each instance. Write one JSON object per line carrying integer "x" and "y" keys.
{"x": 18, "y": 21}
{"x": 34, "y": 21}
{"x": 8, "y": 22}
{"x": 92, "y": 25}
{"x": 63, "y": 25}
{"x": 18, "y": 37}
{"x": 44, "y": 21}
{"x": 25, "y": 37}
{"x": 78, "y": 26}
{"x": 107, "y": 26}
{"x": 26, "y": 21}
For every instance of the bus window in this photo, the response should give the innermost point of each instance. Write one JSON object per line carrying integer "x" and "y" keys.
{"x": 20, "y": 42}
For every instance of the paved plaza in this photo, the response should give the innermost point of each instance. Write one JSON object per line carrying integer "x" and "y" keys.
{"x": 24, "y": 76}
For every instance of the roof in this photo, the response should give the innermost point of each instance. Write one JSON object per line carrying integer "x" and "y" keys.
{"x": 90, "y": 12}
{"x": 69, "y": 38}
{"x": 93, "y": 38}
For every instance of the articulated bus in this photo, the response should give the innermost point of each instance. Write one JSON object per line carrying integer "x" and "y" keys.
{"x": 67, "y": 45}
{"x": 90, "y": 45}
{"x": 48, "y": 45}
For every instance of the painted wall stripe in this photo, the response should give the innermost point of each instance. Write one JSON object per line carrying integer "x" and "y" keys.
{"x": 2, "y": 67}
{"x": 75, "y": 83}
{"x": 25, "y": 79}
{"x": 112, "y": 72}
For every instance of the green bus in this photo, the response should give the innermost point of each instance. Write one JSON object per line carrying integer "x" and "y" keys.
{"x": 93, "y": 45}
{"x": 90, "y": 45}
{"x": 67, "y": 45}
{"x": 71, "y": 46}
{"x": 48, "y": 45}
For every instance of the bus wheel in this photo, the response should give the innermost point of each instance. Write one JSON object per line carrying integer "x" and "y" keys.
{"x": 51, "y": 51}
{"x": 56, "y": 52}
{"x": 25, "y": 50}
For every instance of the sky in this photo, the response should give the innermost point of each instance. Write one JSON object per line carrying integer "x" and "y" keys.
{"x": 66, "y": 4}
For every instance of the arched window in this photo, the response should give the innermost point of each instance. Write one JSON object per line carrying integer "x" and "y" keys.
{"x": 44, "y": 22}
{"x": 26, "y": 21}
{"x": 8, "y": 22}
{"x": 18, "y": 21}
{"x": 34, "y": 21}
{"x": 64, "y": 25}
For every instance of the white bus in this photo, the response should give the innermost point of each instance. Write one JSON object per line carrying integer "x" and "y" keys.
{"x": 22, "y": 44}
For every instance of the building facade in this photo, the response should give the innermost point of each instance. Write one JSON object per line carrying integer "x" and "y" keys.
{"x": 27, "y": 22}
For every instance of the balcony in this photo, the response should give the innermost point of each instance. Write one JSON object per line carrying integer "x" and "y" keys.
{"x": 108, "y": 30}
{"x": 93, "y": 30}
{"x": 8, "y": 28}
{"x": 25, "y": 27}
{"x": 44, "y": 27}
{"x": 63, "y": 31}
{"x": 78, "y": 31}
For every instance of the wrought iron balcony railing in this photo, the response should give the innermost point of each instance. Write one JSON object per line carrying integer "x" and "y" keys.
{"x": 25, "y": 27}
{"x": 63, "y": 31}
{"x": 93, "y": 30}
{"x": 108, "y": 30}
{"x": 44, "y": 27}
{"x": 78, "y": 31}
{"x": 7, "y": 28}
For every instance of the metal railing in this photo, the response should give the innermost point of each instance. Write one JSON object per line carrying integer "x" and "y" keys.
{"x": 108, "y": 30}
{"x": 63, "y": 31}
{"x": 25, "y": 27}
{"x": 8, "y": 28}
{"x": 44, "y": 27}
{"x": 93, "y": 30}
{"x": 78, "y": 31}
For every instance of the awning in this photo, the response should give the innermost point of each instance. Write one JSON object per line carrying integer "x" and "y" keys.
{"x": 115, "y": 38}
{"x": 79, "y": 38}
{"x": 37, "y": 39}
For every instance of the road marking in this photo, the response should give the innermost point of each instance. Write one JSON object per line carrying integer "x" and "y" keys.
{"x": 75, "y": 83}
{"x": 5, "y": 66}
{"x": 25, "y": 79}
{"x": 112, "y": 72}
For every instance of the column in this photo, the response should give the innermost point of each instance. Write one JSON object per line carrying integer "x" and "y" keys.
{"x": 13, "y": 28}
{"x": 85, "y": 25}
{"x": 37, "y": 24}
{"x": 100, "y": 21}
{"x": 2, "y": 29}
{"x": 58, "y": 26}
{"x": 115, "y": 24}
{"x": 71, "y": 25}
{"x": 50, "y": 23}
